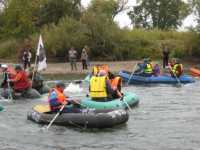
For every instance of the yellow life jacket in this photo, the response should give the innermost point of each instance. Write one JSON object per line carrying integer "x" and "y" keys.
{"x": 175, "y": 69}
{"x": 98, "y": 87}
{"x": 148, "y": 68}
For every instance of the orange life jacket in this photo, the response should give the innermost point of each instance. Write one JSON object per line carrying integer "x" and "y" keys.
{"x": 60, "y": 98}
{"x": 116, "y": 83}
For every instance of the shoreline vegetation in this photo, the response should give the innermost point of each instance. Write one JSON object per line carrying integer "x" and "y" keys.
{"x": 71, "y": 25}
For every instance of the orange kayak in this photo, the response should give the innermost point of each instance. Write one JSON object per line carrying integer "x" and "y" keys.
{"x": 195, "y": 72}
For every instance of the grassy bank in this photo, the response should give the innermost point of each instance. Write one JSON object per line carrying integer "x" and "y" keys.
{"x": 124, "y": 44}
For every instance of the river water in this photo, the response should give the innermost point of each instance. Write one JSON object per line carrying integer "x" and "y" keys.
{"x": 168, "y": 118}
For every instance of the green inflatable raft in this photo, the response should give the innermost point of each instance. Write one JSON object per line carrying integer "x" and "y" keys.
{"x": 1, "y": 108}
{"x": 129, "y": 98}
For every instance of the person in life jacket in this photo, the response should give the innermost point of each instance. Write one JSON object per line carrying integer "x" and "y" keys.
{"x": 57, "y": 99}
{"x": 20, "y": 80}
{"x": 148, "y": 70}
{"x": 176, "y": 68}
{"x": 100, "y": 88}
{"x": 116, "y": 84}
{"x": 145, "y": 68}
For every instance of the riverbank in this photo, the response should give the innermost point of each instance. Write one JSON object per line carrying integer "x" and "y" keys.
{"x": 114, "y": 66}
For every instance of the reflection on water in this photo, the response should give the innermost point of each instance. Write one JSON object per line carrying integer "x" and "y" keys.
{"x": 167, "y": 117}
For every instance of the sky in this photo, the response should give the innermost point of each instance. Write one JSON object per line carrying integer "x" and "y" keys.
{"x": 123, "y": 20}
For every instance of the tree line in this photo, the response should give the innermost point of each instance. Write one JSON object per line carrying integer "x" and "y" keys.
{"x": 66, "y": 23}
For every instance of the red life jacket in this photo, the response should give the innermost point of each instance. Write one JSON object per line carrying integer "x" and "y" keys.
{"x": 60, "y": 98}
{"x": 21, "y": 81}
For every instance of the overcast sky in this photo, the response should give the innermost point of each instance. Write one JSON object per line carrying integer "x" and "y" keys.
{"x": 123, "y": 20}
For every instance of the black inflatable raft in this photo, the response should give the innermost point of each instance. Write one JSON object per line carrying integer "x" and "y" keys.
{"x": 30, "y": 93}
{"x": 88, "y": 118}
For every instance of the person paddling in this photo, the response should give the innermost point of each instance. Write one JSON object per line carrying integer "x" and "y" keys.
{"x": 176, "y": 68}
{"x": 145, "y": 69}
{"x": 20, "y": 81}
{"x": 57, "y": 99}
{"x": 116, "y": 85}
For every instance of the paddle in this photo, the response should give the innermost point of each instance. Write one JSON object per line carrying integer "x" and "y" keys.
{"x": 132, "y": 74}
{"x": 54, "y": 118}
{"x": 177, "y": 79}
{"x": 9, "y": 88}
{"x": 122, "y": 99}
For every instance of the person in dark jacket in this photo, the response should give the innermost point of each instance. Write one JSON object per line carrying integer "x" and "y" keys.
{"x": 27, "y": 58}
{"x": 165, "y": 52}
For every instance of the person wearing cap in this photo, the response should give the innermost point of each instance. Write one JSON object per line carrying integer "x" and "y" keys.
{"x": 175, "y": 68}
{"x": 100, "y": 88}
{"x": 57, "y": 99}
{"x": 20, "y": 80}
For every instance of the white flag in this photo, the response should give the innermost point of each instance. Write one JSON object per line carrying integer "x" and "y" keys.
{"x": 41, "y": 55}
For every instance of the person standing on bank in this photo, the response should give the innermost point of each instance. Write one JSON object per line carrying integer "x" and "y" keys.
{"x": 27, "y": 58}
{"x": 165, "y": 52}
{"x": 84, "y": 57}
{"x": 72, "y": 53}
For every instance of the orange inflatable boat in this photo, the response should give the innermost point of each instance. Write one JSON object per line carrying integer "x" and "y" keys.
{"x": 195, "y": 72}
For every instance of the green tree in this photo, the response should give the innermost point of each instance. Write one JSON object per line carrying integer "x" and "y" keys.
{"x": 161, "y": 14}
{"x": 19, "y": 18}
{"x": 109, "y": 8}
{"x": 53, "y": 10}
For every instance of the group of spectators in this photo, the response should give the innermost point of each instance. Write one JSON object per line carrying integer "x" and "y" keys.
{"x": 72, "y": 55}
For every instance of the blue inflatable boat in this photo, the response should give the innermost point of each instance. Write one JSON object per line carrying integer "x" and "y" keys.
{"x": 163, "y": 79}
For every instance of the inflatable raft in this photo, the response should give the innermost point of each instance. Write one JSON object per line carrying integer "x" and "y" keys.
{"x": 129, "y": 98}
{"x": 195, "y": 72}
{"x": 163, "y": 79}
{"x": 30, "y": 93}
{"x": 87, "y": 119}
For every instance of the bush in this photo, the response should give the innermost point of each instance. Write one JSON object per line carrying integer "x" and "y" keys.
{"x": 8, "y": 49}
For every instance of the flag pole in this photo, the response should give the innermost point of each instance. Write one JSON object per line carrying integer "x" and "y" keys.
{"x": 35, "y": 68}
{"x": 35, "y": 65}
